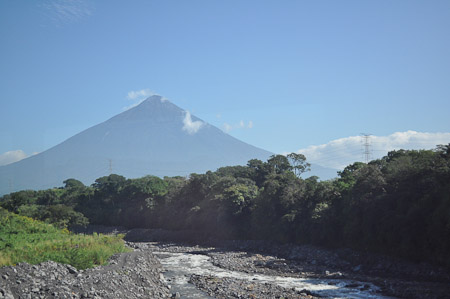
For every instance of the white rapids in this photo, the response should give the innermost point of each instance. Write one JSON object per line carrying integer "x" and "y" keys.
{"x": 179, "y": 267}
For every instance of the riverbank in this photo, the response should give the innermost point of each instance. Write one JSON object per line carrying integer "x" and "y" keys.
{"x": 184, "y": 265}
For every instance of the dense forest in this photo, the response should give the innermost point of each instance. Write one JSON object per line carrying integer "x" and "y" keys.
{"x": 398, "y": 205}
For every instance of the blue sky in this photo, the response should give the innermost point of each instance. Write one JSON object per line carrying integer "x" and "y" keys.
{"x": 281, "y": 75}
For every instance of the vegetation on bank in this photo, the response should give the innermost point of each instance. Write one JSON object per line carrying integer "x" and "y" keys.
{"x": 397, "y": 205}
{"x": 23, "y": 239}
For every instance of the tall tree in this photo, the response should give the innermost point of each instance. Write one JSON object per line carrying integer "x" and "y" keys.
{"x": 299, "y": 164}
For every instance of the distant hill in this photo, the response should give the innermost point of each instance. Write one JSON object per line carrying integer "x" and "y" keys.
{"x": 155, "y": 137}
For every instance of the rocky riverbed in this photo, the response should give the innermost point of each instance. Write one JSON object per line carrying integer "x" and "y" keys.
{"x": 128, "y": 275}
{"x": 232, "y": 269}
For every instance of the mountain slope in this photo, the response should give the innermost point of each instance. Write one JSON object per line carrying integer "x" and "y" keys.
{"x": 155, "y": 137}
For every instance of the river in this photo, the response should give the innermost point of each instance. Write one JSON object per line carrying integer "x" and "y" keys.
{"x": 179, "y": 266}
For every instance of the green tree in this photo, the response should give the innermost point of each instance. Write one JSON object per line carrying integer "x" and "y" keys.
{"x": 63, "y": 216}
{"x": 279, "y": 164}
{"x": 258, "y": 170}
{"x": 298, "y": 163}
{"x": 49, "y": 197}
{"x": 73, "y": 184}
{"x": 108, "y": 188}
{"x": 15, "y": 200}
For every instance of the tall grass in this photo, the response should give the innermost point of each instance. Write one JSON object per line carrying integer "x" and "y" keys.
{"x": 23, "y": 239}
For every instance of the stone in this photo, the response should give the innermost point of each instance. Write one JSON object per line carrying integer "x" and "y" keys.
{"x": 72, "y": 269}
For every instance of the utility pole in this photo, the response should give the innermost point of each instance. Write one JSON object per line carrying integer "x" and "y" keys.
{"x": 110, "y": 166}
{"x": 366, "y": 144}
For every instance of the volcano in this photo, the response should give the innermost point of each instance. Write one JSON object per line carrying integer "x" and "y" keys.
{"x": 156, "y": 137}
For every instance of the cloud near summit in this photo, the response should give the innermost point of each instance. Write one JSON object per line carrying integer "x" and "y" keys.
{"x": 191, "y": 127}
{"x": 138, "y": 96}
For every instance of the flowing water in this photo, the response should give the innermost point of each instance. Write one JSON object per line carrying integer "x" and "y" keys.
{"x": 179, "y": 267}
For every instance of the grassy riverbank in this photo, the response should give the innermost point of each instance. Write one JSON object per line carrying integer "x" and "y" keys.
{"x": 23, "y": 239}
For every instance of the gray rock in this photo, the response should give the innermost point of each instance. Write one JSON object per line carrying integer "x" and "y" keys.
{"x": 72, "y": 270}
{"x": 130, "y": 275}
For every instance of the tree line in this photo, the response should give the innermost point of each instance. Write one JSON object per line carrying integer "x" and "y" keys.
{"x": 397, "y": 205}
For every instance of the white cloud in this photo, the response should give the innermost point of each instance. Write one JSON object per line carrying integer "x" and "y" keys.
{"x": 227, "y": 127}
{"x": 341, "y": 152}
{"x": 11, "y": 157}
{"x": 67, "y": 11}
{"x": 241, "y": 125}
{"x": 138, "y": 96}
{"x": 190, "y": 126}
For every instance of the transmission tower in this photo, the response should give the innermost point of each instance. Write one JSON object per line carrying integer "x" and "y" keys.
{"x": 366, "y": 143}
